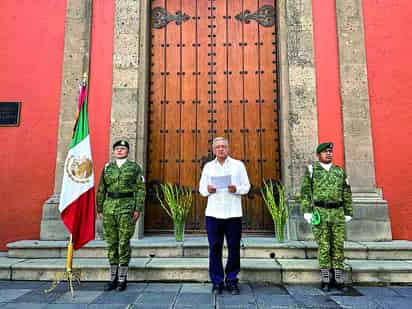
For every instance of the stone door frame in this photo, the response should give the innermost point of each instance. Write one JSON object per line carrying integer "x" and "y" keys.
{"x": 297, "y": 88}
{"x": 298, "y": 121}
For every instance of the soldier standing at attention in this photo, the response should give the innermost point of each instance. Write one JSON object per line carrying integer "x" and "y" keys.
{"x": 325, "y": 190}
{"x": 120, "y": 198}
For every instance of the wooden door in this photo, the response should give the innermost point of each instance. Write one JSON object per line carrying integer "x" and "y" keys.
{"x": 213, "y": 73}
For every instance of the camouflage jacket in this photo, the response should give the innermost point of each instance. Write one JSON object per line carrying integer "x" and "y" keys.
{"x": 321, "y": 185}
{"x": 127, "y": 178}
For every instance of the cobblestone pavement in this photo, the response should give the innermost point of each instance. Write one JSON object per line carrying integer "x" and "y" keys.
{"x": 30, "y": 294}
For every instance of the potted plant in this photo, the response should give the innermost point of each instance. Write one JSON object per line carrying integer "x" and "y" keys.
{"x": 273, "y": 194}
{"x": 176, "y": 201}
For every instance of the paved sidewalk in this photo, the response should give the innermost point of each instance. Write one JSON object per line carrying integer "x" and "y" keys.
{"x": 30, "y": 294}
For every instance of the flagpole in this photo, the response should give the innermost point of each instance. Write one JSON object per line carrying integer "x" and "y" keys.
{"x": 69, "y": 256}
{"x": 69, "y": 266}
{"x": 68, "y": 274}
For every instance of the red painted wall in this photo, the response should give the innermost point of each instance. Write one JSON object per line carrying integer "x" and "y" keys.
{"x": 31, "y": 58}
{"x": 100, "y": 82}
{"x": 31, "y": 55}
{"x": 327, "y": 76}
{"x": 388, "y": 50}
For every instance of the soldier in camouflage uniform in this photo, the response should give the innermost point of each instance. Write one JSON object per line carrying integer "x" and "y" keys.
{"x": 325, "y": 190}
{"x": 120, "y": 198}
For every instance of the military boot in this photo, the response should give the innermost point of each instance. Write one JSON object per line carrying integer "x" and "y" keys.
{"x": 339, "y": 279}
{"x": 123, "y": 269}
{"x": 112, "y": 284}
{"x": 325, "y": 280}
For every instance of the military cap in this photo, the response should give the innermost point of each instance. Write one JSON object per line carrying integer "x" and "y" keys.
{"x": 324, "y": 146}
{"x": 121, "y": 143}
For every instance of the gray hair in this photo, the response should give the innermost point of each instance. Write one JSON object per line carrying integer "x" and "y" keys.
{"x": 218, "y": 139}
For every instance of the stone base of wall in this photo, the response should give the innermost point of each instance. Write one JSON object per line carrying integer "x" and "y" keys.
{"x": 52, "y": 226}
{"x": 370, "y": 220}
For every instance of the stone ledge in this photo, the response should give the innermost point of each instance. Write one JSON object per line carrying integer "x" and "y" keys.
{"x": 196, "y": 269}
{"x": 6, "y": 265}
{"x": 381, "y": 271}
{"x": 197, "y": 247}
{"x": 297, "y": 271}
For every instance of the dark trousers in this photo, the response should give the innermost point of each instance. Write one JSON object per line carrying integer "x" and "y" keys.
{"x": 217, "y": 229}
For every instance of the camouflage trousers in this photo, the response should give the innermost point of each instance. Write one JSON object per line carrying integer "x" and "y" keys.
{"x": 330, "y": 238}
{"x": 117, "y": 231}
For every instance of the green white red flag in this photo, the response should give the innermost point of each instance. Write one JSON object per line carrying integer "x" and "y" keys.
{"x": 77, "y": 199}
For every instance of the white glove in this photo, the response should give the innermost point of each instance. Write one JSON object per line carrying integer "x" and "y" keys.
{"x": 307, "y": 216}
{"x": 348, "y": 218}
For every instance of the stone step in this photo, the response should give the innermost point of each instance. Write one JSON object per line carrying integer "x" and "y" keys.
{"x": 197, "y": 247}
{"x": 276, "y": 271}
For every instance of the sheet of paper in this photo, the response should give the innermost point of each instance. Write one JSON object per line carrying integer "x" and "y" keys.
{"x": 221, "y": 182}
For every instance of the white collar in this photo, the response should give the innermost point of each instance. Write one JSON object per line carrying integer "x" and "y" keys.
{"x": 120, "y": 162}
{"x": 227, "y": 160}
{"x": 326, "y": 166}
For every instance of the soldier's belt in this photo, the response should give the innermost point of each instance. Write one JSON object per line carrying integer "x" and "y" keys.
{"x": 328, "y": 204}
{"x": 120, "y": 194}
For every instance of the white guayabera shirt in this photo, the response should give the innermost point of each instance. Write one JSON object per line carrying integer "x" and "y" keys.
{"x": 223, "y": 204}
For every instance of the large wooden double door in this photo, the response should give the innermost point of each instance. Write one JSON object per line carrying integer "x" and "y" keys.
{"x": 213, "y": 73}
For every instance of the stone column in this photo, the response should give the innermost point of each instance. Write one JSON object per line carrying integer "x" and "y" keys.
{"x": 371, "y": 215}
{"x": 359, "y": 161}
{"x": 298, "y": 111}
{"x": 131, "y": 58}
{"x": 75, "y": 63}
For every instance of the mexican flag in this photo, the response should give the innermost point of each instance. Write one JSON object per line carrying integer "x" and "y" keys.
{"x": 77, "y": 194}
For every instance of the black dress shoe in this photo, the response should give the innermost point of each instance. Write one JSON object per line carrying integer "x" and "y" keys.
{"x": 111, "y": 285}
{"x": 217, "y": 288}
{"x": 233, "y": 288}
{"x": 122, "y": 286}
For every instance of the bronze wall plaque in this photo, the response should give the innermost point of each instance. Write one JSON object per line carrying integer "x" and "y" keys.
{"x": 10, "y": 114}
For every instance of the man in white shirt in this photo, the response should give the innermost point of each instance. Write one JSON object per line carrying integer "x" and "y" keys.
{"x": 224, "y": 180}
